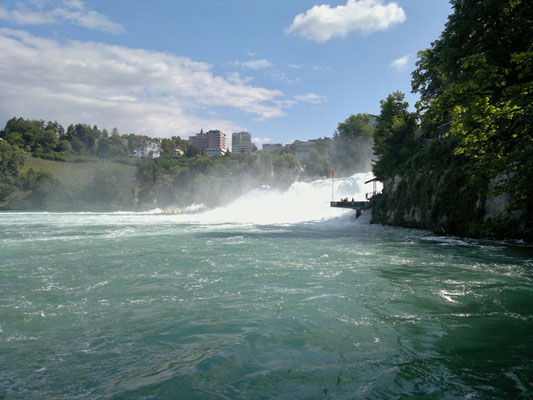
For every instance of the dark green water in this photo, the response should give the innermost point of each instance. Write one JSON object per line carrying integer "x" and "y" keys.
{"x": 151, "y": 307}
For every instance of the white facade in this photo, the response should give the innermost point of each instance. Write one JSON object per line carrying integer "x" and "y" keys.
{"x": 214, "y": 151}
{"x": 148, "y": 150}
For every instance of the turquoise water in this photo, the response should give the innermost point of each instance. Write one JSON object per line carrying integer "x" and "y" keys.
{"x": 140, "y": 306}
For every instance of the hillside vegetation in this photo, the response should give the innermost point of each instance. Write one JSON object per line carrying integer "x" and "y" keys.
{"x": 80, "y": 174}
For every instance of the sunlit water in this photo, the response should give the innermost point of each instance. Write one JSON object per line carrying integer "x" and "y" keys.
{"x": 274, "y": 296}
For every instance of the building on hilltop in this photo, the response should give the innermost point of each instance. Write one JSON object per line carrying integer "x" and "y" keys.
{"x": 241, "y": 142}
{"x": 303, "y": 150}
{"x": 270, "y": 147}
{"x": 216, "y": 143}
{"x": 148, "y": 150}
{"x": 199, "y": 140}
{"x": 213, "y": 142}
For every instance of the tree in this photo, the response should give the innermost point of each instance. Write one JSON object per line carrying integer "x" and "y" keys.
{"x": 109, "y": 189}
{"x": 111, "y": 146}
{"x": 286, "y": 168}
{"x": 56, "y": 127}
{"x": 11, "y": 161}
{"x": 44, "y": 142}
{"x": 43, "y": 187}
{"x": 394, "y": 141}
{"x": 192, "y": 151}
{"x": 34, "y": 136}
{"x": 15, "y": 138}
{"x": 134, "y": 141}
{"x": 317, "y": 165}
{"x": 64, "y": 146}
{"x": 85, "y": 134}
{"x": 352, "y": 143}
{"x": 22, "y": 133}
{"x": 168, "y": 145}
{"x": 355, "y": 127}
{"x": 478, "y": 75}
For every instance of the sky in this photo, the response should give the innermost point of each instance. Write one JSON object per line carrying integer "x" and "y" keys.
{"x": 280, "y": 69}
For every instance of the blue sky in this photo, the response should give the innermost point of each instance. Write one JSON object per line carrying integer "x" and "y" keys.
{"x": 282, "y": 70}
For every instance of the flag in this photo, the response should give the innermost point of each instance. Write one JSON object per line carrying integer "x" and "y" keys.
{"x": 332, "y": 173}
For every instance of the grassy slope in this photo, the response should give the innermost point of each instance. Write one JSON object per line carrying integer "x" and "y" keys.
{"x": 78, "y": 174}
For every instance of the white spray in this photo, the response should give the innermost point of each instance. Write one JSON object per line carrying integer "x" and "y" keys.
{"x": 303, "y": 201}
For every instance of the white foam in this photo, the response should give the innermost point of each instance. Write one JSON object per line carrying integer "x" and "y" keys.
{"x": 302, "y": 202}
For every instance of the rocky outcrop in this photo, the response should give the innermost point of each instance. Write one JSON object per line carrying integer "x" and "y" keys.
{"x": 446, "y": 203}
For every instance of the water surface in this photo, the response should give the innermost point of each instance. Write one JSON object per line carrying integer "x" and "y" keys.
{"x": 217, "y": 306}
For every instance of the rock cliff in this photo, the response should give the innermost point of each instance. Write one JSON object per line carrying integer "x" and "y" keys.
{"x": 444, "y": 202}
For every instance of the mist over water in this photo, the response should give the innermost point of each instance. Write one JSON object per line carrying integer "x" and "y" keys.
{"x": 275, "y": 295}
{"x": 302, "y": 202}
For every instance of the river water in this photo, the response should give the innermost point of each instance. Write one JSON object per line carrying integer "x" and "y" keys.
{"x": 273, "y": 296}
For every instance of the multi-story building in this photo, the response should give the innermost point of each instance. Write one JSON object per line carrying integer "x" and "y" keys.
{"x": 148, "y": 150}
{"x": 303, "y": 150}
{"x": 199, "y": 140}
{"x": 241, "y": 142}
{"x": 213, "y": 142}
{"x": 270, "y": 147}
{"x": 216, "y": 143}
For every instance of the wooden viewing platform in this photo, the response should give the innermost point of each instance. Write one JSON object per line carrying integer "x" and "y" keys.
{"x": 354, "y": 205}
{"x": 349, "y": 204}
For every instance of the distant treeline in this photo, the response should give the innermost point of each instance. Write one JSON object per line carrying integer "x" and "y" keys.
{"x": 161, "y": 182}
{"x": 51, "y": 141}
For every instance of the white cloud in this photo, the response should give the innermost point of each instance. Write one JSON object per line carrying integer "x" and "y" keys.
{"x": 324, "y": 22}
{"x": 320, "y": 68}
{"x": 311, "y": 98}
{"x": 283, "y": 77}
{"x": 235, "y": 77}
{"x": 76, "y": 4}
{"x": 400, "y": 63}
{"x": 260, "y": 141}
{"x": 136, "y": 90}
{"x": 58, "y": 12}
{"x": 254, "y": 64}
